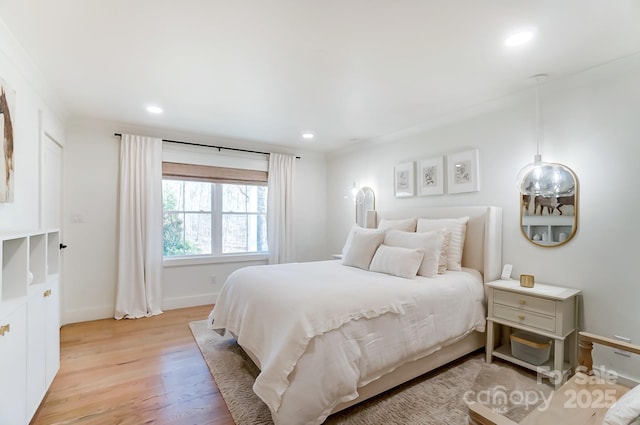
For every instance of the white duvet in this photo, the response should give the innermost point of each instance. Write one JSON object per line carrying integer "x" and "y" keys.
{"x": 321, "y": 330}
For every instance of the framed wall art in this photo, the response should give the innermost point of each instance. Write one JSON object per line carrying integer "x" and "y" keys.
{"x": 7, "y": 110}
{"x": 431, "y": 176}
{"x": 403, "y": 180}
{"x": 463, "y": 172}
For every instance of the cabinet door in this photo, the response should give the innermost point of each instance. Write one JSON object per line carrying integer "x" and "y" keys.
{"x": 36, "y": 350}
{"x": 13, "y": 365}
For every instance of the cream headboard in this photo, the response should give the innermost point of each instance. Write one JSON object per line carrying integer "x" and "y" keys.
{"x": 483, "y": 241}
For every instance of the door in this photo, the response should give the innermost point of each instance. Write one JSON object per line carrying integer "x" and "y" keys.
{"x": 51, "y": 218}
{"x": 51, "y": 184}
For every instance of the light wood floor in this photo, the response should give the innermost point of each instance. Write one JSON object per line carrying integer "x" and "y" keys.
{"x": 133, "y": 372}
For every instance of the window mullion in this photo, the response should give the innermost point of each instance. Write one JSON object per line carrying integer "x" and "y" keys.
{"x": 216, "y": 217}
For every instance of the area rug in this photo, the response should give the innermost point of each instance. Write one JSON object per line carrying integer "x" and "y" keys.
{"x": 439, "y": 397}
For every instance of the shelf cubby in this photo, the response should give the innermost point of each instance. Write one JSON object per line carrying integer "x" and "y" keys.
{"x": 15, "y": 268}
{"x": 53, "y": 253}
{"x": 38, "y": 258}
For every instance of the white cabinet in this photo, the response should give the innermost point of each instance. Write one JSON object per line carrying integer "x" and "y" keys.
{"x": 13, "y": 351}
{"x": 548, "y": 310}
{"x": 29, "y": 307}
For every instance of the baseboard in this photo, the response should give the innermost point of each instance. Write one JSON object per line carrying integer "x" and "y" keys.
{"x": 620, "y": 379}
{"x": 87, "y": 314}
{"x": 107, "y": 312}
{"x": 189, "y": 301}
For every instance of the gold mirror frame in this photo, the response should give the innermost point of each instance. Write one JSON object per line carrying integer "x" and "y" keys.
{"x": 549, "y": 221}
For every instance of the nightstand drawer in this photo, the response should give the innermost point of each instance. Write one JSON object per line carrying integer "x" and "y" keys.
{"x": 527, "y": 318}
{"x": 525, "y": 302}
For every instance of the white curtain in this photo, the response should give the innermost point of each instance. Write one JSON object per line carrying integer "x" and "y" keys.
{"x": 280, "y": 208}
{"x": 140, "y": 235}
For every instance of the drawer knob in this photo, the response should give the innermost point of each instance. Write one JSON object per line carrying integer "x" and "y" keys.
{"x": 47, "y": 293}
{"x": 521, "y": 316}
{"x": 4, "y": 329}
{"x": 522, "y": 302}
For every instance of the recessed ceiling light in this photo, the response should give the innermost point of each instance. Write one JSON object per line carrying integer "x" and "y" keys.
{"x": 307, "y": 135}
{"x": 154, "y": 110}
{"x": 519, "y": 38}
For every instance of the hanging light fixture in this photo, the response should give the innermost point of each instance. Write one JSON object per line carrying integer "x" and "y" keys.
{"x": 540, "y": 178}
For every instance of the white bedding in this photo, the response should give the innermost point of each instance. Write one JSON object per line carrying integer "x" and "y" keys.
{"x": 321, "y": 330}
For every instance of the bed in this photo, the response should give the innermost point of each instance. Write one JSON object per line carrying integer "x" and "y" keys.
{"x": 326, "y": 335}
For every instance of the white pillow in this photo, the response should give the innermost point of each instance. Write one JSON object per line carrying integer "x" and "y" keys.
{"x": 406, "y": 225}
{"x": 429, "y": 242}
{"x": 355, "y": 228}
{"x": 402, "y": 262}
{"x": 458, "y": 229}
{"x": 442, "y": 261}
{"x": 625, "y": 410}
{"x": 361, "y": 248}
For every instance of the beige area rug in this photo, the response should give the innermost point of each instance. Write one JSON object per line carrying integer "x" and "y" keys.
{"x": 438, "y": 397}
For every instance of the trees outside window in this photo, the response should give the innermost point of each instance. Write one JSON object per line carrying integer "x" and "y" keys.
{"x": 203, "y": 218}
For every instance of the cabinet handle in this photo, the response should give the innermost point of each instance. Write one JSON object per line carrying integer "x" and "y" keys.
{"x": 521, "y": 316}
{"x": 522, "y": 302}
{"x": 4, "y": 329}
{"x": 47, "y": 293}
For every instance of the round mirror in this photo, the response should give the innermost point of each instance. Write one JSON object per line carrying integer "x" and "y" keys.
{"x": 365, "y": 201}
{"x": 550, "y": 220}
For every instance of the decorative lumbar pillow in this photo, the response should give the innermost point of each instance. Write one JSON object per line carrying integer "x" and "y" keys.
{"x": 626, "y": 410}
{"x": 429, "y": 242}
{"x": 405, "y": 225}
{"x": 401, "y": 262}
{"x": 458, "y": 229}
{"x": 361, "y": 248}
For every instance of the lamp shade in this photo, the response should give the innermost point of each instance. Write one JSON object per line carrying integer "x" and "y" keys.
{"x": 545, "y": 179}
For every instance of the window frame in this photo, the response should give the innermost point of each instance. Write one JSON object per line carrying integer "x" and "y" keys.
{"x": 216, "y": 176}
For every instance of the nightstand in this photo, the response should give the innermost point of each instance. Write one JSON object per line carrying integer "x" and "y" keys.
{"x": 548, "y": 310}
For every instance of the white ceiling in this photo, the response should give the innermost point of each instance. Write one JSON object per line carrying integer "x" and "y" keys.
{"x": 267, "y": 70}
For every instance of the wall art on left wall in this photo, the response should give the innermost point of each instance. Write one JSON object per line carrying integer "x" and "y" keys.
{"x": 7, "y": 110}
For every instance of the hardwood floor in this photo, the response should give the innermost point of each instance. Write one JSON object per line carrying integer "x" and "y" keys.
{"x": 132, "y": 372}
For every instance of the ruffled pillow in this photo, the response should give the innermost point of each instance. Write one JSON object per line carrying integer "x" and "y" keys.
{"x": 457, "y": 227}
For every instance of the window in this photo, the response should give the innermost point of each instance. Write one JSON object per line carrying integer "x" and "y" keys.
{"x": 213, "y": 218}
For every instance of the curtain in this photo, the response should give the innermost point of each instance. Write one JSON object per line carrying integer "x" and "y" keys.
{"x": 280, "y": 208}
{"x": 139, "y": 292}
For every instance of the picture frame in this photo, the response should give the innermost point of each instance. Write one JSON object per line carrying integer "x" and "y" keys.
{"x": 463, "y": 172}
{"x": 403, "y": 180}
{"x": 431, "y": 176}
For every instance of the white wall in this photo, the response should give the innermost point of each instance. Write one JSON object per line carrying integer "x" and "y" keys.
{"x": 32, "y": 99}
{"x": 91, "y": 194}
{"x": 592, "y": 126}
{"x": 36, "y": 111}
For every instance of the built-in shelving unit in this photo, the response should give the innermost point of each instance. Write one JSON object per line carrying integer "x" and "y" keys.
{"x": 29, "y": 322}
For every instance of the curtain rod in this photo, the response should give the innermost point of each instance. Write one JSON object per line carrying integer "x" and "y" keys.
{"x": 209, "y": 146}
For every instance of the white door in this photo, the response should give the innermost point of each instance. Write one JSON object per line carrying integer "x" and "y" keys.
{"x": 51, "y": 218}
{"x": 51, "y": 184}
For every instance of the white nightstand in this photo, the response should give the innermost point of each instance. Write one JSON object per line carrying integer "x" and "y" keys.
{"x": 546, "y": 310}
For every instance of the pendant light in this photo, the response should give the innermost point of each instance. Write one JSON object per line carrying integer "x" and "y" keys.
{"x": 540, "y": 178}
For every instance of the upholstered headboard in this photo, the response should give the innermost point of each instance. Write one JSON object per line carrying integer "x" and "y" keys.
{"x": 483, "y": 241}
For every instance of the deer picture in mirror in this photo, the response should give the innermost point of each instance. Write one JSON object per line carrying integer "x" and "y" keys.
{"x": 550, "y": 220}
